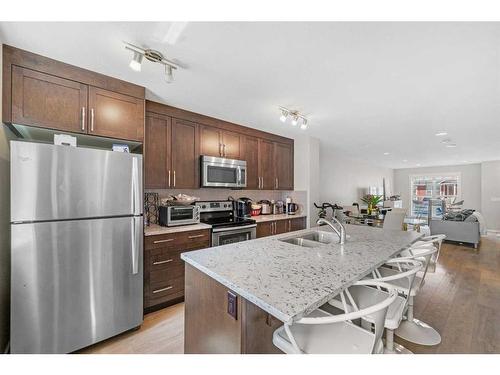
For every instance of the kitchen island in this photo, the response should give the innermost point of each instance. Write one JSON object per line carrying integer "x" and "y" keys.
{"x": 237, "y": 295}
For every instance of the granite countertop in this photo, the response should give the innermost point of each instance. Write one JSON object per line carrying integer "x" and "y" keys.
{"x": 264, "y": 218}
{"x": 290, "y": 281}
{"x": 155, "y": 229}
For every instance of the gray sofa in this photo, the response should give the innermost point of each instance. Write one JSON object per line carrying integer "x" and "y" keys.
{"x": 460, "y": 231}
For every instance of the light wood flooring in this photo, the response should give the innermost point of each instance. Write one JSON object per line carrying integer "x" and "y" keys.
{"x": 461, "y": 300}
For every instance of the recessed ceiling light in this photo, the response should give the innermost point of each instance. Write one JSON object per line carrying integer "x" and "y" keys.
{"x": 451, "y": 145}
{"x": 405, "y": 160}
{"x": 386, "y": 153}
{"x": 418, "y": 164}
{"x": 446, "y": 141}
{"x": 441, "y": 134}
{"x": 465, "y": 161}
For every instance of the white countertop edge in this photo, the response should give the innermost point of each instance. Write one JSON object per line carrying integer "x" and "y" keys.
{"x": 149, "y": 231}
{"x": 265, "y": 218}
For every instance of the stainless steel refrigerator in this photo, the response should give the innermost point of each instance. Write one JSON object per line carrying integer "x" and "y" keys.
{"x": 77, "y": 255}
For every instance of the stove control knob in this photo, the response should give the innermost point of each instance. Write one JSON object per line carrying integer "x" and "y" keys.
{"x": 204, "y": 206}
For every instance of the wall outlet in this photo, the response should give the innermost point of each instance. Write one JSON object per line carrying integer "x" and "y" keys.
{"x": 232, "y": 305}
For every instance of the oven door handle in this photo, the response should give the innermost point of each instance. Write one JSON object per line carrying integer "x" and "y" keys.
{"x": 217, "y": 230}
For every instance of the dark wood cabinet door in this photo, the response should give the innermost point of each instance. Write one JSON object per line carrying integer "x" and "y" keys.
{"x": 47, "y": 101}
{"x": 283, "y": 157}
{"x": 297, "y": 224}
{"x": 231, "y": 145}
{"x": 184, "y": 154}
{"x": 250, "y": 153}
{"x": 281, "y": 226}
{"x": 265, "y": 229}
{"x": 210, "y": 141}
{"x": 266, "y": 165}
{"x": 156, "y": 152}
{"x": 115, "y": 115}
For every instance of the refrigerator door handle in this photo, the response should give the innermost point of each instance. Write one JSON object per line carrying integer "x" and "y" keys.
{"x": 136, "y": 199}
{"x": 136, "y": 222}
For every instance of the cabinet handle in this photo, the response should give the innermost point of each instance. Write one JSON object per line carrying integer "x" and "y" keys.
{"x": 162, "y": 262}
{"x": 169, "y": 178}
{"x": 196, "y": 236}
{"x": 162, "y": 289}
{"x": 92, "y": 119}
{"x": 174, "y": 177}
{"x": 83, "y": 118}
{"x": 276, "y": 182}
{"x": 224, "y": 150}
{"x": 162, "y": 241}
{"x": 220, "y": 149}
{"x": 262, "y": 185}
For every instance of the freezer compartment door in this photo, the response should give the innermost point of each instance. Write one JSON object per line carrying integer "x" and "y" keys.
{"x": 75, "y": 283}
{"x": 51, "y": 182}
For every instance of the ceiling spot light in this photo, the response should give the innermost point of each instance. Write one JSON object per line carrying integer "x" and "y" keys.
{"x": 295, "y": 120}
{"x": 284, "y": 115}
{"x": 304, "y": 124}
{"x": 135, "y": 63}
{"x": 441, "y": 134}
{"x": 150, "y": 55}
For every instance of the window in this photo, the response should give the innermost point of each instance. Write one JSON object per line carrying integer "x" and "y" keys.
{"x": 433, "y": 188}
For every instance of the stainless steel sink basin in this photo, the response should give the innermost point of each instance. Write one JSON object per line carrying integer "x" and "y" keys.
{"x": 312, "y": 239}
{"x": 300, "y": 242}
{"x": 319, "y": 236}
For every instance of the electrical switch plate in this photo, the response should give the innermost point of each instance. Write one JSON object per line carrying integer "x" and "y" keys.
{"x": 232, "y": 308}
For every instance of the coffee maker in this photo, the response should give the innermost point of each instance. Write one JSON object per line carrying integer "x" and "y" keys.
{"x": 242, "y": 207}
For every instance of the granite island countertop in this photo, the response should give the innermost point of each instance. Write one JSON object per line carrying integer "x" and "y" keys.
{"x": 290, "y": 281}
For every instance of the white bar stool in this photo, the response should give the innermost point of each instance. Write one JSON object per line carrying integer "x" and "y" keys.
{"x": 364, "y": 296}
{"x": 323, "y": 333}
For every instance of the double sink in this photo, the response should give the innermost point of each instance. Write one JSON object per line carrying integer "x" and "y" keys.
{"x": 312, "y": 239}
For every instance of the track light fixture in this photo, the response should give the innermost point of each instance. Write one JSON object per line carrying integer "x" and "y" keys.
{"x": 153, "y": 56}
{"x": 295, "y": 116}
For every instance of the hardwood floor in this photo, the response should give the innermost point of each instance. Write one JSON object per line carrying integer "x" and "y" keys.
{"x": 461, "y": 300}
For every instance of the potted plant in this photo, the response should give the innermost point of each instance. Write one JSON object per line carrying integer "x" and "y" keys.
{"x": 372, "y": 201}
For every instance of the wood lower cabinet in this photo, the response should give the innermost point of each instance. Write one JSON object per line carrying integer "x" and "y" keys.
{"x": 270, "y": 228}
{"x": 43, "y": 100}
{"x": 210, "y": 329}
{"x": 115, "y": 115}
{"x": 184, "y": 155}
{"x": 164, "y": 268}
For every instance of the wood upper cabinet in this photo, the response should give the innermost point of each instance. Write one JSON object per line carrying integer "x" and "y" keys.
{"x": 157, "y": 151}
{"x": 250, "y": 153}
{"x": 283, "y": 163}
{"x": 184, "y": 154}
{"x": 219, "y": 143}
{"x": 115, "y": 115}
{"x": 210, "y": 143}
{"x": 231, "y": 145}
{"x": 266, "y": 165}
{"x": 47, "y": 101}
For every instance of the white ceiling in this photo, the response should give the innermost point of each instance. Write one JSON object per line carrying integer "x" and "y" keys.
{"x": 367, "y": 88}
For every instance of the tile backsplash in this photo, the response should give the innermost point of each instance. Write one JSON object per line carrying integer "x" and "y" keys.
{"x": 299, "y": 197}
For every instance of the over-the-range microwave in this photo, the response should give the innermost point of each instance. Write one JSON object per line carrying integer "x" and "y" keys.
{"x": 222, "y": 172}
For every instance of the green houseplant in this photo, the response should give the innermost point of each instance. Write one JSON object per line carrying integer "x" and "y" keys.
{"x": 372, "y": 201}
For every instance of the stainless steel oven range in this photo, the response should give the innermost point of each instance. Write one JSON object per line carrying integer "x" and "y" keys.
{"x": 226, "y": 227}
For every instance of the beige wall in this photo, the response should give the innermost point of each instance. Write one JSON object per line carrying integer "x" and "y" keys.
{"x": 344, "y": 180}
{"x": 470, "y": 177}
{"x": 5, "y": 134}
{"x": 490, "y": 194}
